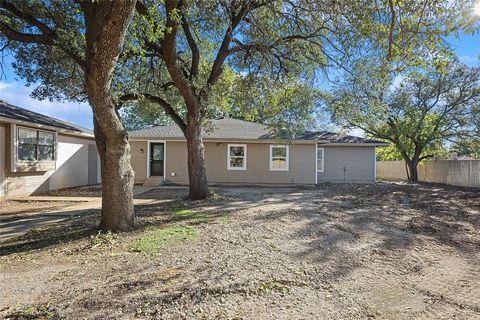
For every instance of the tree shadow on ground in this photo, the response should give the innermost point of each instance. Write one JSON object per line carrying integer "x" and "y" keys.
{"x": 336, "y": 213}
{"x": 86, "y": 224}
{"x": 334, "y": 218}
{"x": 394, "y": 216}
{"x": 74, "y": 229}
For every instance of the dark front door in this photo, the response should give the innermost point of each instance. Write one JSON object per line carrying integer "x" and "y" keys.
{"x": 156, "y": 159}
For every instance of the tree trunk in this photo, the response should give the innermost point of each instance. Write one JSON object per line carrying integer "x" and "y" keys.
{"x": 197, "y": 173}
{"x": 106, "y": 23}
{"x": 117, "y": 181}
{"x": 412, "y": 170}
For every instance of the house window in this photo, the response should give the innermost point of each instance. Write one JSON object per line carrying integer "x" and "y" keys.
{"x": 237, "y": 157}
{"x": 35, "y": 144}
{"x": 320, "y": 158}
{"x": 278, "y": 158}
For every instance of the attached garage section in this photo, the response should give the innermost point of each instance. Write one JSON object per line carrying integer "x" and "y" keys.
{"x": 347, "y": 164}
{"x": 76, "y": 164}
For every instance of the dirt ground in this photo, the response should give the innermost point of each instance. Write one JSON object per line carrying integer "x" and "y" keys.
{"x": 384, "y": 251}
{"x": 14, "y": 208}
{"x": 87, "y": 191}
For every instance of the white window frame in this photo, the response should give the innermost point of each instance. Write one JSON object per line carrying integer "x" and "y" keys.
{"x": 244, "y": 157}
{"x": 287, "y": 158}
{"x": 323, "y": 159}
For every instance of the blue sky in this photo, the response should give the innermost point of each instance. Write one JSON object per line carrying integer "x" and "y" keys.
{"x": 467, "y": 48}
{"x": 14, "y": 91}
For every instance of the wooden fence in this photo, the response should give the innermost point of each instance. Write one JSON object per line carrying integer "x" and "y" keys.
{"x": 455, "y": 172}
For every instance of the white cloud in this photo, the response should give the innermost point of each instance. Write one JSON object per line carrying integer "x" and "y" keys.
{"x": 4, "y": 85}
{"x": 397, "y": 81}
{"x": 357, "y": 132}
{"x": 19, "y": 95}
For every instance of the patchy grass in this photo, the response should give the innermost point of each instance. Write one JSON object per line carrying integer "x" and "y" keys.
{"x": 224, "y": 219}
{"x": 154, "y": 240}
{"x": 42, "y": 311}
{"x": 182, "y": 212}
{"x": 200, "y": 217}
{"x": 297, "y": 251}
{"x": 192, "y": 215}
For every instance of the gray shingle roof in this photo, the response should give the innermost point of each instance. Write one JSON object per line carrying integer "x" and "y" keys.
{"x": 332, "y": 137}
{"x": 243, "y": 130}
{"x": 214, "y": 129}
{"x": 16, "y": 113}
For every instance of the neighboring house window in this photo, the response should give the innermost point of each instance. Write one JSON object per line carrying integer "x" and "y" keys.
{"x": 320, "y": 157}
{"x": 237, "y": 157}
{"x": 278, "y": 158}
{"x": 35, "y": 144}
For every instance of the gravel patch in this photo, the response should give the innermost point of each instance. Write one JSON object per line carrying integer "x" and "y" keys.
{"x": 387, "y": 251}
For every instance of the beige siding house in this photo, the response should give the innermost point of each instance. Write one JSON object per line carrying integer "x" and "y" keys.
{"x": 244, "y": 153}
{"x": 39, "y": 153}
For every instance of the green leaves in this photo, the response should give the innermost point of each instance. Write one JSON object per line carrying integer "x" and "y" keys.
{"x": 276, "y": 51}
{"x": 54, "y": 69}
{"x": 418, "y": 112}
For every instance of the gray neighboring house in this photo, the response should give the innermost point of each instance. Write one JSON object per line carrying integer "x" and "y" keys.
{"x": 240, "y": 152}
{"x": 40, "y": 153}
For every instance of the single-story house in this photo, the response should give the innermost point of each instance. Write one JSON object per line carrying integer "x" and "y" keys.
{"x": 40, "y": 153}
{"x": 240, "y": 152}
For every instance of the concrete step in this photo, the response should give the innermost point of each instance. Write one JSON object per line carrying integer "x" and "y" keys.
{"x": 153, "y": 181}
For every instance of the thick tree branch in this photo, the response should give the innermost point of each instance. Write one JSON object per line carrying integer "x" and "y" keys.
{"x": 14, "y": 35}
{"x": 392, "y": 27}
{"x": 47, "y": 37}
{"x": 169, "y": 55}
{"x": 223, "y": 51}
{"x": 425, "y": 157}
{"x": 10, "y": 7}
{"x": 193, "y": 48}
{"x": 169, "y": 111}
{"x": 141, "y": 7}
{"x": 163, "y": 103}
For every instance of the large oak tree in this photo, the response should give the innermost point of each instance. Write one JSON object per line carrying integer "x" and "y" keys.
{"x": 65, "y": 46}
{"x": 188, "y": 44}
{"x": 418, "y": 114}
